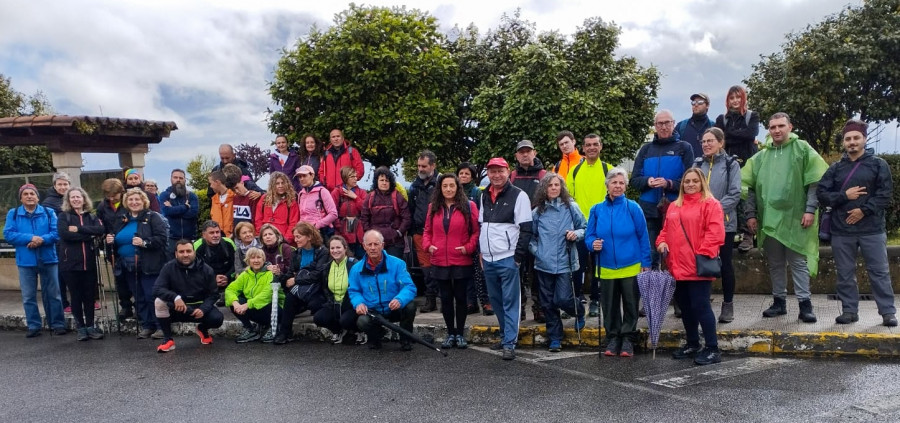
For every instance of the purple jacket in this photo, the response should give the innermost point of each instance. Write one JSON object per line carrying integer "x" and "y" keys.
{"x": 288, "y": 168}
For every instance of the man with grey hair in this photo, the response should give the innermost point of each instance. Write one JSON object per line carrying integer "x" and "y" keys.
{"x": 54, "y": 200}
{"x": 657, "y": 173}
{"x": 227, "y": 156}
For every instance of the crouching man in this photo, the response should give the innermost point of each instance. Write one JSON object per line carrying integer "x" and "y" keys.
{"x": 380, "y": 284}
{"x": 186, "y": 291}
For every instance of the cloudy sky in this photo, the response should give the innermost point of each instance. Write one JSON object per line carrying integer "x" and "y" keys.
{"x": 205, "y": 64}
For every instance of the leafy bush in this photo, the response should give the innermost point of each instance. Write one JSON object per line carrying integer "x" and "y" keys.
{"x": 892, "y": 214}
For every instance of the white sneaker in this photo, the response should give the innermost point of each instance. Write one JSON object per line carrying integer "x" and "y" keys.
{"x": 337, "y": 338}
{"x": 361, "y": 338}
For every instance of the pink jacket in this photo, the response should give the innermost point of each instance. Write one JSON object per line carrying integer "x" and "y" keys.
{"x": 317, "y": 206}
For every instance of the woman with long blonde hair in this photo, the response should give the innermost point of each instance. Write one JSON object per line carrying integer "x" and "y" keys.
{"x": 279, "y": 206}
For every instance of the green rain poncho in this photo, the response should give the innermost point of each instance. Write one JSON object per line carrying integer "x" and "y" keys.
{"x": 780, "y": 177}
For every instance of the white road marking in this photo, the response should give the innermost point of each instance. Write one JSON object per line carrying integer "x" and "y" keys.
{"x": 727, "y": 369}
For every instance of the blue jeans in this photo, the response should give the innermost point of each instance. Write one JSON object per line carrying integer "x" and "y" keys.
{"x": 142, "y": 287}
{"x": 28, "y": 283}
{"x": 556, "y": 295}
{"x": 502, "y": 280}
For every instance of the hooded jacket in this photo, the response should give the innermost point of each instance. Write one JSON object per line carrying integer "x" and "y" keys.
{"x": 283, "y": 217}
{"x": 566, "y": 163}
{"x": 53, "y": 200}
{"x": 349, "y": 210}
{"x": 336, "y": 158}
{"x": 874, "y": 175}
{"x": 419, "y": 198}
{"x": 289, "y": 167}
{"x": 152, "y": 229}
{"x": 195, "y": 283}
{"x": 528, "y": 180}
{"x": 256, "y": 287}
{"x": 553, "y": 253}
{"x": 703, "y": 222}
{"x": 620, "y": 223}
{"x": 21, "y": 226}
{"x": 377, "y": 287}
{"x": 663, "y": 157}
{"x": 378, "y": 213}
{"x": 740, "y": 135}
{"x": 317, "y": 206}
{"x": 448, "y": 234}
{"x": 505, "y": 224}
{"x": 724, "y": 184}
{"x": 181, "y": 213}
{"x": 691, "y": 131}
{"x": 76, "y": 249}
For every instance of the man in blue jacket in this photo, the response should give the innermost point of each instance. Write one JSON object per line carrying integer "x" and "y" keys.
{"x": 380, "y": 284}
{"x": 691, "y": 129}
{"x": 31, "y": 228}
{"x": 180, "y": 207}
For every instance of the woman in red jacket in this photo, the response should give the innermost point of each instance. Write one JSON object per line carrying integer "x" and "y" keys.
{"x": 451, "y": 235}
{"x": 693, "y": 225}
{"x": 279, "y": 206}
{"x": 349, "y": 199}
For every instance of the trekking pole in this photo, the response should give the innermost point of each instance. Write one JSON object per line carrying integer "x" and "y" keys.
{"x": 569, "y": 245}
{"x": 111, "y": 279}
{"x": 273, "y": 318}
{"x": 137, "y": 286}
{"x": 596, "y": 260}
{"x": 101, "y": 296}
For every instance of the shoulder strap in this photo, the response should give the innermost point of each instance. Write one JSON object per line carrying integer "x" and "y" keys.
{"x": 747, "y": 117}
{"x": 576, "y": 169}
{"x": 556, "y": 167}
{"x": 605, "y": 169}
{"x": 680, "y": 127}
{"x": 394, "y": 202}
{"x": 858, "y": 162}
{"x": 686, "y": 235}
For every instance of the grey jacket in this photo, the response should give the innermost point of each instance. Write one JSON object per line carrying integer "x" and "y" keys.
{"x": 552, "y": 253}
{"x": 725, "y": 185}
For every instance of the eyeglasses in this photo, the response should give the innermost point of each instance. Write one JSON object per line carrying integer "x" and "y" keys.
{"x": 698, "y": 102}
{"x": 665, "y": 123}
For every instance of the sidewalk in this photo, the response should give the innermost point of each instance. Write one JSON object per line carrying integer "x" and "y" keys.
{"x": 749, "y": 333}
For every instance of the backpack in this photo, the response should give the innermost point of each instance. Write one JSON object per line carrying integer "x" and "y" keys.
{"x": 746, "y": 118}
{"x": 578, "y": 167}
{"x": 728, "y": 161}
{"x": 394, "y": 203}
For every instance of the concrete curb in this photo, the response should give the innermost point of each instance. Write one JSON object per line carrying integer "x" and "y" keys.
{"x": 759, "y": 342}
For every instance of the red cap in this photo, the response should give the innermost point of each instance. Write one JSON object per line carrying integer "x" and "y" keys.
{"x": 498, "y": 161}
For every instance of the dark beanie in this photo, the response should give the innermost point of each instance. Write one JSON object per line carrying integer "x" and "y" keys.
{"x": 855, "y": 125}
{"x": 28, "y": 186}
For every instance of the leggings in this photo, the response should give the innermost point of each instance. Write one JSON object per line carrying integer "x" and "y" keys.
{"x": 454, "y": 290}
{"x": 82, "y": 286}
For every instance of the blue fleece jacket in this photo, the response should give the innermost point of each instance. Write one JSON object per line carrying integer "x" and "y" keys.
{"x": 664, "y": 157}
{"x": 620, "y": 223}
{"x": 376, "y": 287}
{"x": 21, "y": 226}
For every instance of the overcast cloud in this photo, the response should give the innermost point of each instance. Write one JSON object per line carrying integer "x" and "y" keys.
{"x": 205, "y": 64}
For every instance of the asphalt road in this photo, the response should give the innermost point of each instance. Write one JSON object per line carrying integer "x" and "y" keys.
{"x": 120, "y": 379}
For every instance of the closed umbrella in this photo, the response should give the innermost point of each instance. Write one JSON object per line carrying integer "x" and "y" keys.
{"x": 657, "y": 288}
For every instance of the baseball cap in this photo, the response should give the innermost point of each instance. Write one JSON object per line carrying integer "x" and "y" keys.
{"x": 701, "y": 95}
{"x": 498, "y": 161}
{"x": 524, "y": 143}
{"x": 305, "y": 169}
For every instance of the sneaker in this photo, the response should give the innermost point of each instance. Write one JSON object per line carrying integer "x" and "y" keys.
{"x": 67, "y": 310}
{"x": 94, "y": 333}
{"x": 126, "y": 313}
{"x": 846, "y": 317}
{"x": 82, "y": 335}
{"x": 337, "y": 338}
{"x": 889, "y": 320}
{"x": 60, "y": 331}
{"x": 361, "y": 338}
{"x": 461, "y": 343}
{"x": 247, "y": 335}
{"x": 449, "y": 342}
{"x": 627, "y": 349}
{"x": 687, "y": 351}
{"x": 205, "y": 339}
{"x": 268, "y": 336}
{"x": 565, "y": 316}
{"x": 157, "y": 334}
{"x": 145, "y": 333}
{"x": 708, "y": 355}
{"x": 487, "y": 310}
{"x": 727, "y": 313}
{"x": 612, "y": 347}
{"x": 166, "y": 346}
{"x": 280, "y": 339}
{"x": 508, "y": 354}
{"x": 579, "y": 323}
{"x": 555, "y": 346}
{"x": 405, "y": 345}
{"x": 221, "y": 301}
{"x": 96, "y": 305}
{"x": 746, "y": 243}
{"x": 472, "y": 309}
{"x": 594, "y": 309}
{"x": 496, "y": 347}
{"x": 33, "y": 333}
{"x": 539, "y": 315}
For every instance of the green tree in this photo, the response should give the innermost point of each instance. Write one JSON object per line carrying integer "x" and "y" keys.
{"x": 28, "y": 159}
{"x": 842, "y": 67}
{"x": 381, "y": 74}
{"x": 198, "y": 179}
{"x": 548, "y": 83}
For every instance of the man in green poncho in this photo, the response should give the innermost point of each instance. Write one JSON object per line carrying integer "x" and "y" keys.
{"x": 781, "y": 208}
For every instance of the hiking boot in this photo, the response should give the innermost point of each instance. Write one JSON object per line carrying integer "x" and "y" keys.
{"x": 806, "y": 312}
{"x": 472, "y": 309}
{"x": 60, "y": 331}
{"x": 221, "y": 301}
{"x": 166, "y": 346}
{"x": 406, "y": 345}
{"x": 450, "y": 342}
{"x": 727, "y": 314}
{"x": 539, "y": 315}
{"x": 247, "y": 335}
{"x": 508, "y": 354}
{"x": 280, "y": 339}
{"x": 523, "y": 315}
{"x": 487, "y": 310}
{"x": 708, "y": 355}
{"x": 82, "y": 335}
{"x": 126, "y": 313}
{"x": 461, "y": 343}
{"x": 361, "y": 338}
{"x": 157, "y": 334}
{"x": 594, "y": 309}
{"x": 375, "y": 343}
{"x": 778, "y": 308}
{"x": 613, "y": 347}
{"x": 846, "y": 317}
{"x": 746, "y": 243}
{"x": 429, "y": 306}
{"x": 687, "y": 351}
{"x": 627, "y": 349}
{"x": 496, "y": 347}
{"x": 579, "y": 323}
{"x": 205, "y": 339}
{"x": 643, "y": 313}
{"x": 33, "y": 333}
{"x": 555, "y": 346}
{"x": 94, "y": 333}
{"x": 889, "y": 320}
{"x": 145, "y": 333}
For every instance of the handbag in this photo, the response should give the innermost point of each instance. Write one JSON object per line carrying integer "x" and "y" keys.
{"x": 706, "y": 266}
{"x": 825, "y": 224}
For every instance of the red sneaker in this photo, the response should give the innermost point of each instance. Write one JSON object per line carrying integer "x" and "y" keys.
{"x": 166, "y": 346}
{"x": 204, "y": 339}
{"x": 96, "y": 305}
{"x": 67, "y": 310}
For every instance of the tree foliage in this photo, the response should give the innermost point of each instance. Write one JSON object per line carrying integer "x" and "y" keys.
{"x": 27, "y": 159}
{"x": 256, "y": 158}
{"x": 380, "y": 74}
{"x": 198, "y": 179}
{"x": 842, "y": 67}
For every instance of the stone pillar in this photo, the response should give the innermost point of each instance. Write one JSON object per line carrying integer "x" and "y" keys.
{"x": 133, "y": 160}
{"x": 71, "y": 163}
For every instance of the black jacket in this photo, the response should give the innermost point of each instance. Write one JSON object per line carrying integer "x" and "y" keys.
{"x": 107, "y": 215}
{"x": 873, "y": 174}
{"x": 740, "y": 135}
{"x": 53, "y": 200}
{"x": 419, "y": 198}
{"x": 196, "y": 283}
{"x": 219, "y": 257}
{"x": 528, "y": 180}
{"x": 77, "y": 249}
{"x": 151, "y": 229}
{"x": 310, "y": 274}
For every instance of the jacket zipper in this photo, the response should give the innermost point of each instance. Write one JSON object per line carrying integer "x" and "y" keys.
{"x": 83, "y": 249}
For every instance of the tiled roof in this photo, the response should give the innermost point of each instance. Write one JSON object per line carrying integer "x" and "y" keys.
{"x": 101, "y": 122}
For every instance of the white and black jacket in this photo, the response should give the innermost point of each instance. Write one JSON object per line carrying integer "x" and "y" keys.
{"x": 505, "y": 224}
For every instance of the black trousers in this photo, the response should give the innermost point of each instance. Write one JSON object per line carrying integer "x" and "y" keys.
{"x": 405, "y": 315}
{"x": 337, "y": 316}
{"x": 454, "y": 303}
{"x": 82, "y": 286}
{"x": 260, "y": 316}
{"x": 166, "y": 315}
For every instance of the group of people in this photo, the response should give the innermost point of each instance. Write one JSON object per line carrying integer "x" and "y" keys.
{"x": 315, "y": 241}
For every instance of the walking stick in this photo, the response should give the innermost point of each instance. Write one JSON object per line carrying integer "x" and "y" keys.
{"x": 569, "y": 245}
{"x": 596, "y": 260}
{"x": 397, "y": 328}
{"x": 101, "y": 296}
{"x": 273, "y": 319}
{"x": 138, "y": 285}
{"x": 112, "y": 259}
